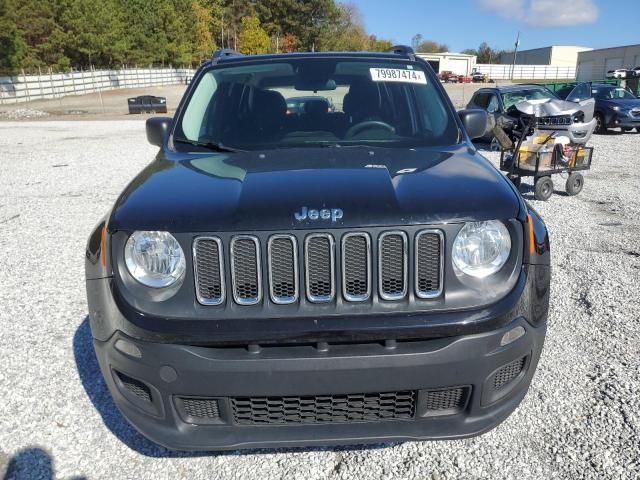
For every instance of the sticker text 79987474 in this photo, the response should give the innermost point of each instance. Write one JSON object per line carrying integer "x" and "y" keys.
{"x": 398, "y": 75}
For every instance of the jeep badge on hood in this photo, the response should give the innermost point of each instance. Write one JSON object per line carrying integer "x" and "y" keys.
{"x": 333, "y": 214}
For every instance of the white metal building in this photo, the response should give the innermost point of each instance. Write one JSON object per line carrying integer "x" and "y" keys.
{"x": 556, "y": 55}
{"x": 595, "y": 64}
{"x": 458, "y": 63}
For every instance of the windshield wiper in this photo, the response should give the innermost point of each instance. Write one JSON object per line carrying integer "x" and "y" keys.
{"x": 213, "y": 146}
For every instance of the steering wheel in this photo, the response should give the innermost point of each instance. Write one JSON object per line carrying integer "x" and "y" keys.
{"x": 366, "y": 125}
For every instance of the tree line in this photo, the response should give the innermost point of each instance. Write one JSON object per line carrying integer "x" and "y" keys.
{"x": 109, "y": 33}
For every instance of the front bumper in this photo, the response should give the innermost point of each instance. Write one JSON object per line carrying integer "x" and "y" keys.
{"x": 170, "y": 372}
{"x": 578, "y": 132}
{"x": 625, "y": 121}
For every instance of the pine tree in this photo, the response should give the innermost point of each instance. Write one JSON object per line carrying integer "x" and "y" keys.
{"x": 12, "y": 45}
{"x": 203, "y": 43}
{"x": 253, "y": 39}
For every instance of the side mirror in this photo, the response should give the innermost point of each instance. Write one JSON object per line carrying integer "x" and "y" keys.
{"x": 158, "y": 129}
{"x": 474, "y": 121}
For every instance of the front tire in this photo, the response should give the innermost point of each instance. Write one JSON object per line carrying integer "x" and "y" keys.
{"x": 494, "y": 145}
{"x": 543, "y": 188}
{"x": 574, "y": 184}
{"x": 600, "y": 127}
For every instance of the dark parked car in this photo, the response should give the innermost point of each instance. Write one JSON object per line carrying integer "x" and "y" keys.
{"x": 368, "y": 277}
{"x": 147, "y": 104}
{"x": 309, "y": 104}
{"x": 615, "y": 107}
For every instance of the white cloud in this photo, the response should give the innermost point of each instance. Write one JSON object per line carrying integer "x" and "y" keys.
{"x": 545, "y": 13}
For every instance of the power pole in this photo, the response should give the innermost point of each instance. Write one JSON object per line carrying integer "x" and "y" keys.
{"x": 222, "y": 32}
{"x": 515, "y": 54}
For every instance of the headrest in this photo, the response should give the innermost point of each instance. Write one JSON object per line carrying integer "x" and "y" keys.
{"x": 365, "y": 91}
{"x": 268, "y": 102}
{"x": 363, "y": 95}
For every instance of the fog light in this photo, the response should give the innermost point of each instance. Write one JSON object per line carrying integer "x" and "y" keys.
{"x": 511, "y": 336}
{"x": 128, "y": 348}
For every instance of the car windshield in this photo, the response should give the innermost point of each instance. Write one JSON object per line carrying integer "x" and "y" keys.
{"x": 316, "y": 102}
{"x": 612, "y": 93}
{"x": 514, "y": 97}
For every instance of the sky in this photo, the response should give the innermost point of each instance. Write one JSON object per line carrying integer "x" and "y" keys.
{"x": 466, "y": 23}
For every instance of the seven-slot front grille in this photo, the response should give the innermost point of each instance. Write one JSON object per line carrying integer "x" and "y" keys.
{"x": 317, "y": 264}
{"x": 320, "y": 267}
{"x": 245, "y": 270}
{"x": 356, "y": 266}
{"x": 207, "y": 254}
{"x": 428, "y": 254}
{"x": 283, "y": 269}
{"x": 362, "y": 407}
{"x": 392, "y": 265}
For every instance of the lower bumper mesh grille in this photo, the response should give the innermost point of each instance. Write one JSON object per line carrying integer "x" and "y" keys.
{"x": 200, "y": 408}
{"x": 508, "y": 373}
{"x": 444, "y": 401}
{"x": 136, "y": 387}
{"x": 363, "y": 407}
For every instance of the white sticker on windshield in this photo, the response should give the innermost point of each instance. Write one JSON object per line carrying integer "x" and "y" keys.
{"x": 397, "y": 75}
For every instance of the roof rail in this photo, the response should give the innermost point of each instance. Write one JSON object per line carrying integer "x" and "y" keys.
{"x": 403, "y": 50}
{"x": 224, "y": 52}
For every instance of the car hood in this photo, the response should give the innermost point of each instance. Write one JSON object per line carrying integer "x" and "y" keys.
{"x": 549, "y": 107}
{"x": 263, "y": 190}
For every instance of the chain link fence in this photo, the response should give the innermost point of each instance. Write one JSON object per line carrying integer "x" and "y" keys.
{"x": 527, "y": 72}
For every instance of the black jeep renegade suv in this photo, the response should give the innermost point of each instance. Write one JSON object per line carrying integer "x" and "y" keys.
{"x": 350, "y": 274}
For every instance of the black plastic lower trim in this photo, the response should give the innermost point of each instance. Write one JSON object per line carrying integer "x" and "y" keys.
{"x": 222, "y": 373}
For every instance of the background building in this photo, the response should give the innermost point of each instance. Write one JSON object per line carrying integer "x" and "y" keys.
{"x": 458, "y": 63}
{"x": 594, "y": 64}
{"x": 557, "y": 55}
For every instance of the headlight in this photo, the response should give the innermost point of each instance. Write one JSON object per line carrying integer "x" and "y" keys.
{"x": 155, "y": 259}
{"x": 481, "y": 248}
{"x": 578, "y": 117}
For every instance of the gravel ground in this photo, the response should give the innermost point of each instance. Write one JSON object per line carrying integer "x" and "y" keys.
{"x": 579, "y": 420}
{"x": 22, "y": 114}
